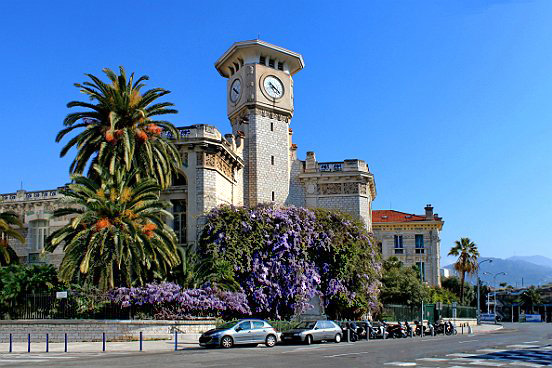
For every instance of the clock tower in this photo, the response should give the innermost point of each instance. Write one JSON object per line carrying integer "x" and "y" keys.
{"x": 259, "y": 107}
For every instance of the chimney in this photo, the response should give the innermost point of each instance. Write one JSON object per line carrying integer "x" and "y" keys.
{"x": 311, "y": 162}
{"x": 429, "y": 212}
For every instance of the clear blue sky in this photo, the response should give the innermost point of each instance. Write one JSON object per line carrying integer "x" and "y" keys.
{"x": 449, "y": 102}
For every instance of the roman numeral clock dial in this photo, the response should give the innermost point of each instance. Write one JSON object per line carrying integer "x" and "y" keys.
{"x": 273, "y": 87}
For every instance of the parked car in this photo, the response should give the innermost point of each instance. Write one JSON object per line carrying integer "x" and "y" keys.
{"x": 242, "y": 332}
{"x": 311, "y": 331}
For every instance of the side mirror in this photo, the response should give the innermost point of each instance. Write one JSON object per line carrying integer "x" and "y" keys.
{"x": 238, "y": 329}
{"x": 316, "y": 328}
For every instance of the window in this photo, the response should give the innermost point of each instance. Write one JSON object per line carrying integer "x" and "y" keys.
{"x": 245, "y": 325}
{"x": 258, "y": 324}
{"x": 380, "y": 247}
{"x": 179, "y": 220}
{"x": 272, "y": 160}
{"x": 421, "y": 270}
{"x": 262, "y": 60}
{"x": 38, "y": 231}
{"x": 280, "y": 65}
{"x": 271, "y": 127}
{"x": 419, "y": 243}
{"x": 272, "y": 196}
{"x": 271, "y": 63}
{"x": 399, "y": 244}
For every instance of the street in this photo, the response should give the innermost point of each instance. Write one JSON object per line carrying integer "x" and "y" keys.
{"x": 521, "y": 345}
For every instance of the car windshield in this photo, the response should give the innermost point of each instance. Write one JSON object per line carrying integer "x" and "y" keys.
{"x": 227, "y": 325}
{"x": 306, "y": 324}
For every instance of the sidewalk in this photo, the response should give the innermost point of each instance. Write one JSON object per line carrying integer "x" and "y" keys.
{"x": 185, "y": 341}
{"x": 486, "y": 328}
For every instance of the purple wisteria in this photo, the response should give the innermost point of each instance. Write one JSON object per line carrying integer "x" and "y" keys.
{"x": 283, "y": 257}
{"x": 170, "y": 301}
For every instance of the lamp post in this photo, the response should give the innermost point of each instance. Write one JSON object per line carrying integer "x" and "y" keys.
{"x": 478, "y": 290}
{"x": 494, "y": 285}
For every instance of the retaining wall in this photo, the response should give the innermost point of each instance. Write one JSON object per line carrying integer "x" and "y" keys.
{"x": 92, "y": 330}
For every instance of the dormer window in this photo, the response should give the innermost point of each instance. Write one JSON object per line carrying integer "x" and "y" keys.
{"x": 280, "y": 65}
{"x": 262, "y": 60}
{"x": 271, "y": 63}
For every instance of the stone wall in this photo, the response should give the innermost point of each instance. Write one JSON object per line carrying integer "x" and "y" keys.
{"x": 91, "y": 330}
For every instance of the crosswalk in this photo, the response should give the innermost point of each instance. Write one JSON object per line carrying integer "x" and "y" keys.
{"x": 530, "y": 354}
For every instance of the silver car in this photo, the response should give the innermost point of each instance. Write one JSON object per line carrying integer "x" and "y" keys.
{"x": 310, "y": 331}
{"x": 243, "y": 332}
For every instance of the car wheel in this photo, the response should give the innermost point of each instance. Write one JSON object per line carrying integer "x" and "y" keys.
{"x": 337, "y": 338}
{"x": 308, "y": 340}
{"x": 227, "y": 342}
{"x": 270, "y": 341}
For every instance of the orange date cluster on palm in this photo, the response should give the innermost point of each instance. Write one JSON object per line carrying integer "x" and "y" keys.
{"x": 149, "y": 229}
{"x": 102, "y": 224}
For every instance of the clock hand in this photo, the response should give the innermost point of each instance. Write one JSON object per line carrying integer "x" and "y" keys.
{"x": 235, "y": 90}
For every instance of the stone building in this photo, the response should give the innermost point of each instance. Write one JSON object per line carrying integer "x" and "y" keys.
{"x": 256, "y": 163}
{"x": 413, "y": 239}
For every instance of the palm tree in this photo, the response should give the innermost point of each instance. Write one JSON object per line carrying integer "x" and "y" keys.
{"x": 467, "y": 253}
{"x": 119, "y": 129}
{"x": 117, "y": 236}
{"x": 530, "y": 298}
{"x": 8, "y": 222}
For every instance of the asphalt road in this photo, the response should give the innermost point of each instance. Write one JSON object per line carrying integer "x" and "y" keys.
{"x": 520, "y": 345}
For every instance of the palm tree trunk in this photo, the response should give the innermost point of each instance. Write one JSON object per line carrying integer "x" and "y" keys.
{"x": 462, "y": 288}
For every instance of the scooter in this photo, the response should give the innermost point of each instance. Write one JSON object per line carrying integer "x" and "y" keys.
{"x": 409, "y": 329}
{"x": 397, "y": 331}
{"x": 450, "y": 328}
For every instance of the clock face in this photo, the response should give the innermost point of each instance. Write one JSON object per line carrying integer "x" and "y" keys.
{"x": 273, "y": 87}
{"x": 235, "y": 90}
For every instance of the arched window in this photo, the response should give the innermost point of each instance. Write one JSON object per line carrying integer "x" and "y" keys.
{"x": 179, "y": 220}
{"x": 38, "y": 231}
{"x": 179, "y": 180}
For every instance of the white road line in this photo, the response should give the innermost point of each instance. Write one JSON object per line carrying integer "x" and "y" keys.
{"x": 434, "y": 359}
{"x": 463, "y": 342}
{"x": 490, "y": 350}
{"x": 531, "y": 342}
{"x": 402, "y": 364}
{"x": 520, "y": 346}
{"x": 526, "y": 364}
{"x": 488, "y": 363}
{"x": 460, "y": 355}
{"x": 345, "y": 354}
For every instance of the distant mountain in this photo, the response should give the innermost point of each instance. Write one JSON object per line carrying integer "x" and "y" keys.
{"x": 518, "y": 272}
{"x": 538, "y": 260}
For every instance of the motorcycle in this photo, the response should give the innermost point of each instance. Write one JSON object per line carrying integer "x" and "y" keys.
{"x": 419, "y": 327}
{"x": 378, "y": 331}
{"x": 450, "y": 328}
{"x": 409, "y": 329}
{"x": 397, "y": 331}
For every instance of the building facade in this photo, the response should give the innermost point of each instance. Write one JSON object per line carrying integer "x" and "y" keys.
{"x": 256, "y": 163}
{"x": 413, "y": 239}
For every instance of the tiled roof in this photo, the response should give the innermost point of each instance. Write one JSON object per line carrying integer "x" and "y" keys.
{"x": 395, "y": 216}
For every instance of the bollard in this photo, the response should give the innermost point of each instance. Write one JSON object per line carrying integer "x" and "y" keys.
{"x": 462, "y": 328}
{"x": 141, "y": 340}
{"x": 103, "y": 341}
{"x": 175, "y": 340}
{"x": 470, "y": 331}
{"x": 28, "y": 343}
{"x": 66, "y": 343}
{"x": 433, "y": 332}
{"x": 11, "y": 343}
{"x": 348, "y": 335}
{"x": 47, "y": 343}
{"x": 384, "y": 333}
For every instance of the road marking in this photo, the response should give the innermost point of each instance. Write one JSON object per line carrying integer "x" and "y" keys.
{"x": 434, "y": 359}
{"x": 526, "y": 364}
{"x": 460, "y": 355}
{"x": 531, "y": 342}
{"x": 463, "y": 342}
{"x": 490, "y": 350}
{"x": 488, "y": 363}
{"x": 345, "y": 354}
{"x": 402, "y": 364}
{"x": 519, "y": 346}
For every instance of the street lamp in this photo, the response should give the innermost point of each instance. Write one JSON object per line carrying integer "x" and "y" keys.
{"x": 478, "y": 290}
{"x": 494, "y": 285}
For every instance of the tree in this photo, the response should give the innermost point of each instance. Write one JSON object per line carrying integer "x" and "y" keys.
{"x": 118, "y": 236}
{"x": 8, "y": 222}
{"x": 401, "y": 285}
{"x": 530, "y": 298}
{"x": 470, "y": 291}
{"x": 285, "y": 257}
{"x": 119, "y": 130}
{"x": 467, "y": 253}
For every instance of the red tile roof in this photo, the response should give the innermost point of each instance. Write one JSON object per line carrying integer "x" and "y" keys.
{"x": 395, "y": 216}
